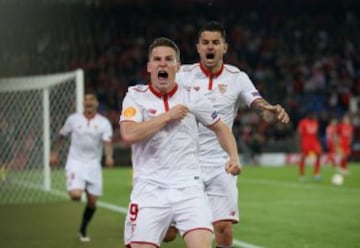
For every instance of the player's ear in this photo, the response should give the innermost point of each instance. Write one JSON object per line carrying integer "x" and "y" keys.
{"x": 225, "y": 47}
{"x": 198, "y": 47}
{"x": 148, "y": 67}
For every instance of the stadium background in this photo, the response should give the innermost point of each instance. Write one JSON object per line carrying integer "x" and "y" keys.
{"x": 303, "y": 55}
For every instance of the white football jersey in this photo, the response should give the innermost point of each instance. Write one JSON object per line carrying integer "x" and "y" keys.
{"x": 170, "y": 157}
{"x": 87, "y": 137}
{"x": 226, "y": 89}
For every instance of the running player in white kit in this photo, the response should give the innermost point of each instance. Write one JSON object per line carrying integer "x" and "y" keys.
{"x": 226, "y": 86}
{"x": 90, "y": 134}
{"x": 160, "y": 120}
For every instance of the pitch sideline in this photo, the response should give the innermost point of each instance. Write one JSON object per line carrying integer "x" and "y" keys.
{"x": 123, "y": 210}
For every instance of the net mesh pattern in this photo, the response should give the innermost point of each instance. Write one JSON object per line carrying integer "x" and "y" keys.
{"x": 22, "y": 162}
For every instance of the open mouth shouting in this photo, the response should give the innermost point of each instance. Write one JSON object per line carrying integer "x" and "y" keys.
{"x": 162, "y": 75}
{"x": 210, "y": 56}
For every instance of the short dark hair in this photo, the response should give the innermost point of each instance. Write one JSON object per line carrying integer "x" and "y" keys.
{"x": 90, "y": 91}
{"x": 163, "y": 41}
{"x": 213, "y": 26}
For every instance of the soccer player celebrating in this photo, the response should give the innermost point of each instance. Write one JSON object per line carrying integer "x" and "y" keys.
{"x": 160, "y": 120}
{"x": 309, "y": 144}
{"x": 226, "y": 86}
{"x": 90, "y": 134}
{"x": 345, "y": 133}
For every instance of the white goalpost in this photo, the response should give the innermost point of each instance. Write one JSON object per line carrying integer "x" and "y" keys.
{"x": 32, "y": 111}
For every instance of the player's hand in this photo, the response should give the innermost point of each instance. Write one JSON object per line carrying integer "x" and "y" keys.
{"x": 233, "y": 167}
{"x": 272, "y": 112}
{"x": 178, "y": 112}
{"x": 109, "y": 162}
{"x": 54, "y": 159}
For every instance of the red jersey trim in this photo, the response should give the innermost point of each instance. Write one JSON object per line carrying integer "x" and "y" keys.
{"x": 158, "y": 94}
{"x": 214, "y": 123}
{"x": 208, "y": 73}
{"x": 211, "y": 75}
{"x": 145, "y": 243}
{"x": 199, "y": 228}
{"x": 234, "y": 221}
{"x": 165, "y": 97}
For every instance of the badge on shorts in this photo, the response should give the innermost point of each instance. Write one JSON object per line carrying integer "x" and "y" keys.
{"x": 129, "y": 112}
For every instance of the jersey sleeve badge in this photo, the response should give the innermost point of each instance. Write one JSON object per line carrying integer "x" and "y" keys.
{"x": 129, "y": 112}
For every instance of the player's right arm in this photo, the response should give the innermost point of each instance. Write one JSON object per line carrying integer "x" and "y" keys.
{"x": 134, "y": 128}
{"x": 54, "y": 154}
{"x": 59, "y": 140}
{"x": 133, "y": 132}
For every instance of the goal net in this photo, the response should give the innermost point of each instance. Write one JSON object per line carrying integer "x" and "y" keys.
{"x": 32, "y": 111}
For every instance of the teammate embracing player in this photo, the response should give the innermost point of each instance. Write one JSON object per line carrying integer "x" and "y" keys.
{"x": 160, "y": 120}
{"x": 226, "y": 86}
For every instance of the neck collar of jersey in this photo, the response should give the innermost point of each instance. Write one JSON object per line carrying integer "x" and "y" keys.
{"x": 158, "y": 94}
{"x": 89, "y": 116}
{"x": 209, "y": 73}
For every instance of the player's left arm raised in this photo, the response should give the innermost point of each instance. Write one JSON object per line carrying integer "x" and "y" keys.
{"x": 228, "y": 143}
{"x": 270, "y": 113}
{"x": 109, "y": 151}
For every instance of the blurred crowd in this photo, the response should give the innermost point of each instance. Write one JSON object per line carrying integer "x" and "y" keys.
{"x": 304, "y": 55}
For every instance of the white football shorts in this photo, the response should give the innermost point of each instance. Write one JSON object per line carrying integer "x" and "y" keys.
{"x": 84, "y": 176}
{"x": 222, "y": 192}
{"x": 153, "y": 209}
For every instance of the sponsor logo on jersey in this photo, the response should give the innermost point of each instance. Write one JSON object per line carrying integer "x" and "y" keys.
{"x": 129, "y": 112}
{"x": 188, "y": 88}
{"x": 222, "y": 88}
{"x": 255, "y": 93}
{"x": 214, "y": 115}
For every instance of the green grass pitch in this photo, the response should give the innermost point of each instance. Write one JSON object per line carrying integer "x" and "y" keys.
{"x": 276, "y": 211}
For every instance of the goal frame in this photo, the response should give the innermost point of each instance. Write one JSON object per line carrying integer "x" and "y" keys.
{"x": 45, "y": 83}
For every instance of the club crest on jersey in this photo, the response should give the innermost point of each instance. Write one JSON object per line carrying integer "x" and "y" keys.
{"x": 222, "y": 88}
{"x": 152, "y": 111}
{"x": 197, "y": 88}
{"x": 129, "y": 112}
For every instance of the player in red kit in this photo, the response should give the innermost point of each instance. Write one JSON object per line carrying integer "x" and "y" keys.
{"x": 332, "y": 141}
{"x": 345, "y": 134}
{"x": 310, "y": 144}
